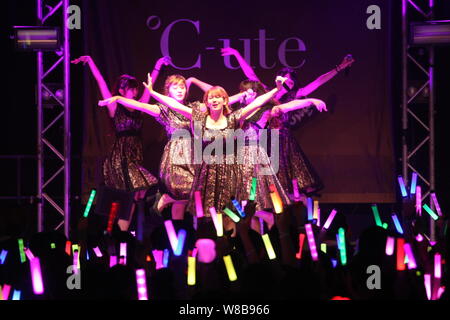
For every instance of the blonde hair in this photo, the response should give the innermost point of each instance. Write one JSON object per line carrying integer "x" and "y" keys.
{"x": 174, "y": 79}
{"x": 218, "y": 92}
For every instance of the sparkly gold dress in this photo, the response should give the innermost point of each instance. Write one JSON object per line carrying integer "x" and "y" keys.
{"x": 176, "y": 168}
{"x": 123, "y": 169}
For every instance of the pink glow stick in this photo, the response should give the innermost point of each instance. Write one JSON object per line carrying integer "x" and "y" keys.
{"x": 123, "y": 252}
{"x": 329, "y": 219}
{"x": 295, "y": 188}
{"x": 427, "y": 280}
{"x": 218, "y": 225}
{"x": 437, "y": 266}
{"x": 112, "y": 261}
{"x": 97, "y": 252}
{"x": 36, "y": 276}
{"x": 301, "y": 240}
{"x": 440, "y": 292}
{"x": 141, "y": 284}
{"x": 390, "y": 241}
{"x": 409, "y": 253}
{"x": 419, "y": 200}
{"x": 400, "y": 254}
{"x": 158, "y": 256}
{"x": 171, "y": 234}
{"x": 311, "y": 242}
{"x": 198, "y": 204}
{"x": 436, "y": 204}
{"x": 6, "y": 289}
{"x": 29, "y": 254}
{"x": 419, "y": 238}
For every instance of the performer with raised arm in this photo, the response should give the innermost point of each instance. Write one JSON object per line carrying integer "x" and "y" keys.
{"x": 122, "y": 168}
{"x": 294, "y": 166}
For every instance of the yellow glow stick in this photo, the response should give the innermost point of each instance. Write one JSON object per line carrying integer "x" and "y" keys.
{"x": 268, "y": 245}
{"x": 230, "y": 268}
{"x": 191, "y": 271}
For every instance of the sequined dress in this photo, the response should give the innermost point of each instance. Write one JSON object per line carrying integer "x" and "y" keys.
{"x": 123, "y": 169}
{"x": 176, "y": 168}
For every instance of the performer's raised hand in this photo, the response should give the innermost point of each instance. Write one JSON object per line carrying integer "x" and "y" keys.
{"x": 229, "y": 52}
{"x": 108, "y": 101}
{"x": 280, "y": 81}
{"x": 149, "y": 84}
{"x": 83, "y": 59}
{"x": 319, "y": 104}
{"x": 346, "y": 62}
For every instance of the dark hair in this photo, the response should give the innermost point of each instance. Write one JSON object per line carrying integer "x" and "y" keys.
{"x": 125, "y": 82}
{"x": 284, "y": 71}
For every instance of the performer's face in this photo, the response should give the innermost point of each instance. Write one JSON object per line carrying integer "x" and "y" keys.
{"x": 129, "y": 93}
{"x": 177, "y": 91}
{"x": 215, "y": 102}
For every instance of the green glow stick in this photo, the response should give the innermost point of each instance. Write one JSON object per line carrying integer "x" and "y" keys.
{"x": 22, "y": 252}
{"x": 385, "y": 225}
{"x": 430, "y": 212}
{"x": 231, "y": 214}
{"x": 253, "y": 190}
{"x": 376, "y": 215}
{"x": 52, "y": 245}
{"x": 342, "y": 248}
{"x": 89, "y": 203}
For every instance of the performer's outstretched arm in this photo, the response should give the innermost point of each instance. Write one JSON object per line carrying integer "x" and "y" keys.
{"x": 202, "y": 85}
{"x": 150, "y": 109}
{"x": 246, "y": 68}
{"x": 308, "y": 89}
{"x": 104, "y": 90}
{"x": 168, "y": 101}
{"x": 164, "y": 61}
{"x": 299, "y": 104}
{"x": 262, "y": 99}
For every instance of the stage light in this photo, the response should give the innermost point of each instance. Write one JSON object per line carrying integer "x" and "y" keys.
{"x": 430, "y": 32}
{"x": 35, "y": 38}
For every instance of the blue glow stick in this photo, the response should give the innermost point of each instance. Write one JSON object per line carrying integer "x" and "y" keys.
{"x": 16, "y": 295}
{"x": 238, "y": 207}
{"x": 3, "y": 256}
{"x": 310, "y": 209}
{"x": 180, "y": 243}
{"x": 402, "y": 186}
{"x": 166, "y": 258}
{"x": 413, "y": 183}
{"x": 398, "y": 226}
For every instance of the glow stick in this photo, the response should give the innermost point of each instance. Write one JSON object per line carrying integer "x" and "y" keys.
{"x": 430, "y": 212}
{"x": 52, "y": 245}
{"x": 97, "y": 252}
{"x": 323, "y": 247}
{"x": 6, "y": 289}
{"x": 22, "y": 253}
{"x": 390, "y": 242}
{"x": 301, "y": 240}
{"x": 402, "y": 186}
{"x": 440, "y": 292}
{"x": 87, "y": 255}
{"x": 194, "y": 252}
{"x": 123, "y": 252}
{"x": 29, "y": 254}
{"x": 36, "y": 276}
{"x": 400, "y": 254}
{"x": 329, "y": 219}
{"x": 397, "y": 223}
{"x": 253, "y": 190}
{"x": 76, "y": 260}
{"x": 238, "y": 207}
{"x": 419, "y": 237}
{"x": 276, "y": 199}
{"x": 141, "y": 284}
{"x": 171, "y": 234}
{"x": 89, "y": 203}
{"x": 419, "y": 200}
{"x": 437, "y": 266}
{"x": 1, "y": 293}
{"x": 112, "y": 216}
{"x": 343, "y": 249}
{"x": 191, "y": 271}
{"x": 231, "y": 214}
{"x": 436, "y": 204}
{"x": 413, "y": 183}
{"x": 16, "y": 295}
{"x": 376, "y": 215}
{"x": 334, "y": 262}
{"x": 385, "y": 225}
{"x": 148, "y": 258}
{"x": 268, "y": 245}
{"x": 198, "y": 204}
{"x": 158, "y": 256}
{"x": 68, "y": 247}
{"x": 295, "y": 188}
{"x": 338, "y": 241}
{"x": 230, "y": 268}
{"x": 427, "y": 280}
{"x": 409, "y": 253}
{"x": 318, "y": 217}
{"x": 180, "y": 246}
{"x": 220, "y": 225}
{"x": 215, "y": 219}
{"x": 311, "y": 242}
{"x": 315, "y": 208}
{"x": 166, "y": 258}
{"x": 3, "y": 256}
{"x": 261, "y": 226}
{"x": 309, "y": 205}
{"x": 112, "y": 261}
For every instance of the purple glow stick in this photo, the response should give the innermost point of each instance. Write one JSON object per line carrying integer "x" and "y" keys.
{"x": 97, "y": 252}
{"x": 198, "y": 205}
{"x": 171, "y": 234}
{"x": 437, "y": 266}
{"x": 436, "y": 204}
{"x": 402, "y": 186}
{"x": 311, "y": 242}
{"x": 3, "y": 256}
{"x": 36, "y": 276}
{"x": 419, "y": 200}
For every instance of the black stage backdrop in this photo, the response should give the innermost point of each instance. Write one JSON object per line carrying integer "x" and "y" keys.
{"x": 350, "y": 146}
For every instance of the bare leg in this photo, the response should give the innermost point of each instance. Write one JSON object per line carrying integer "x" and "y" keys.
{"x": 125, "y": 224}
